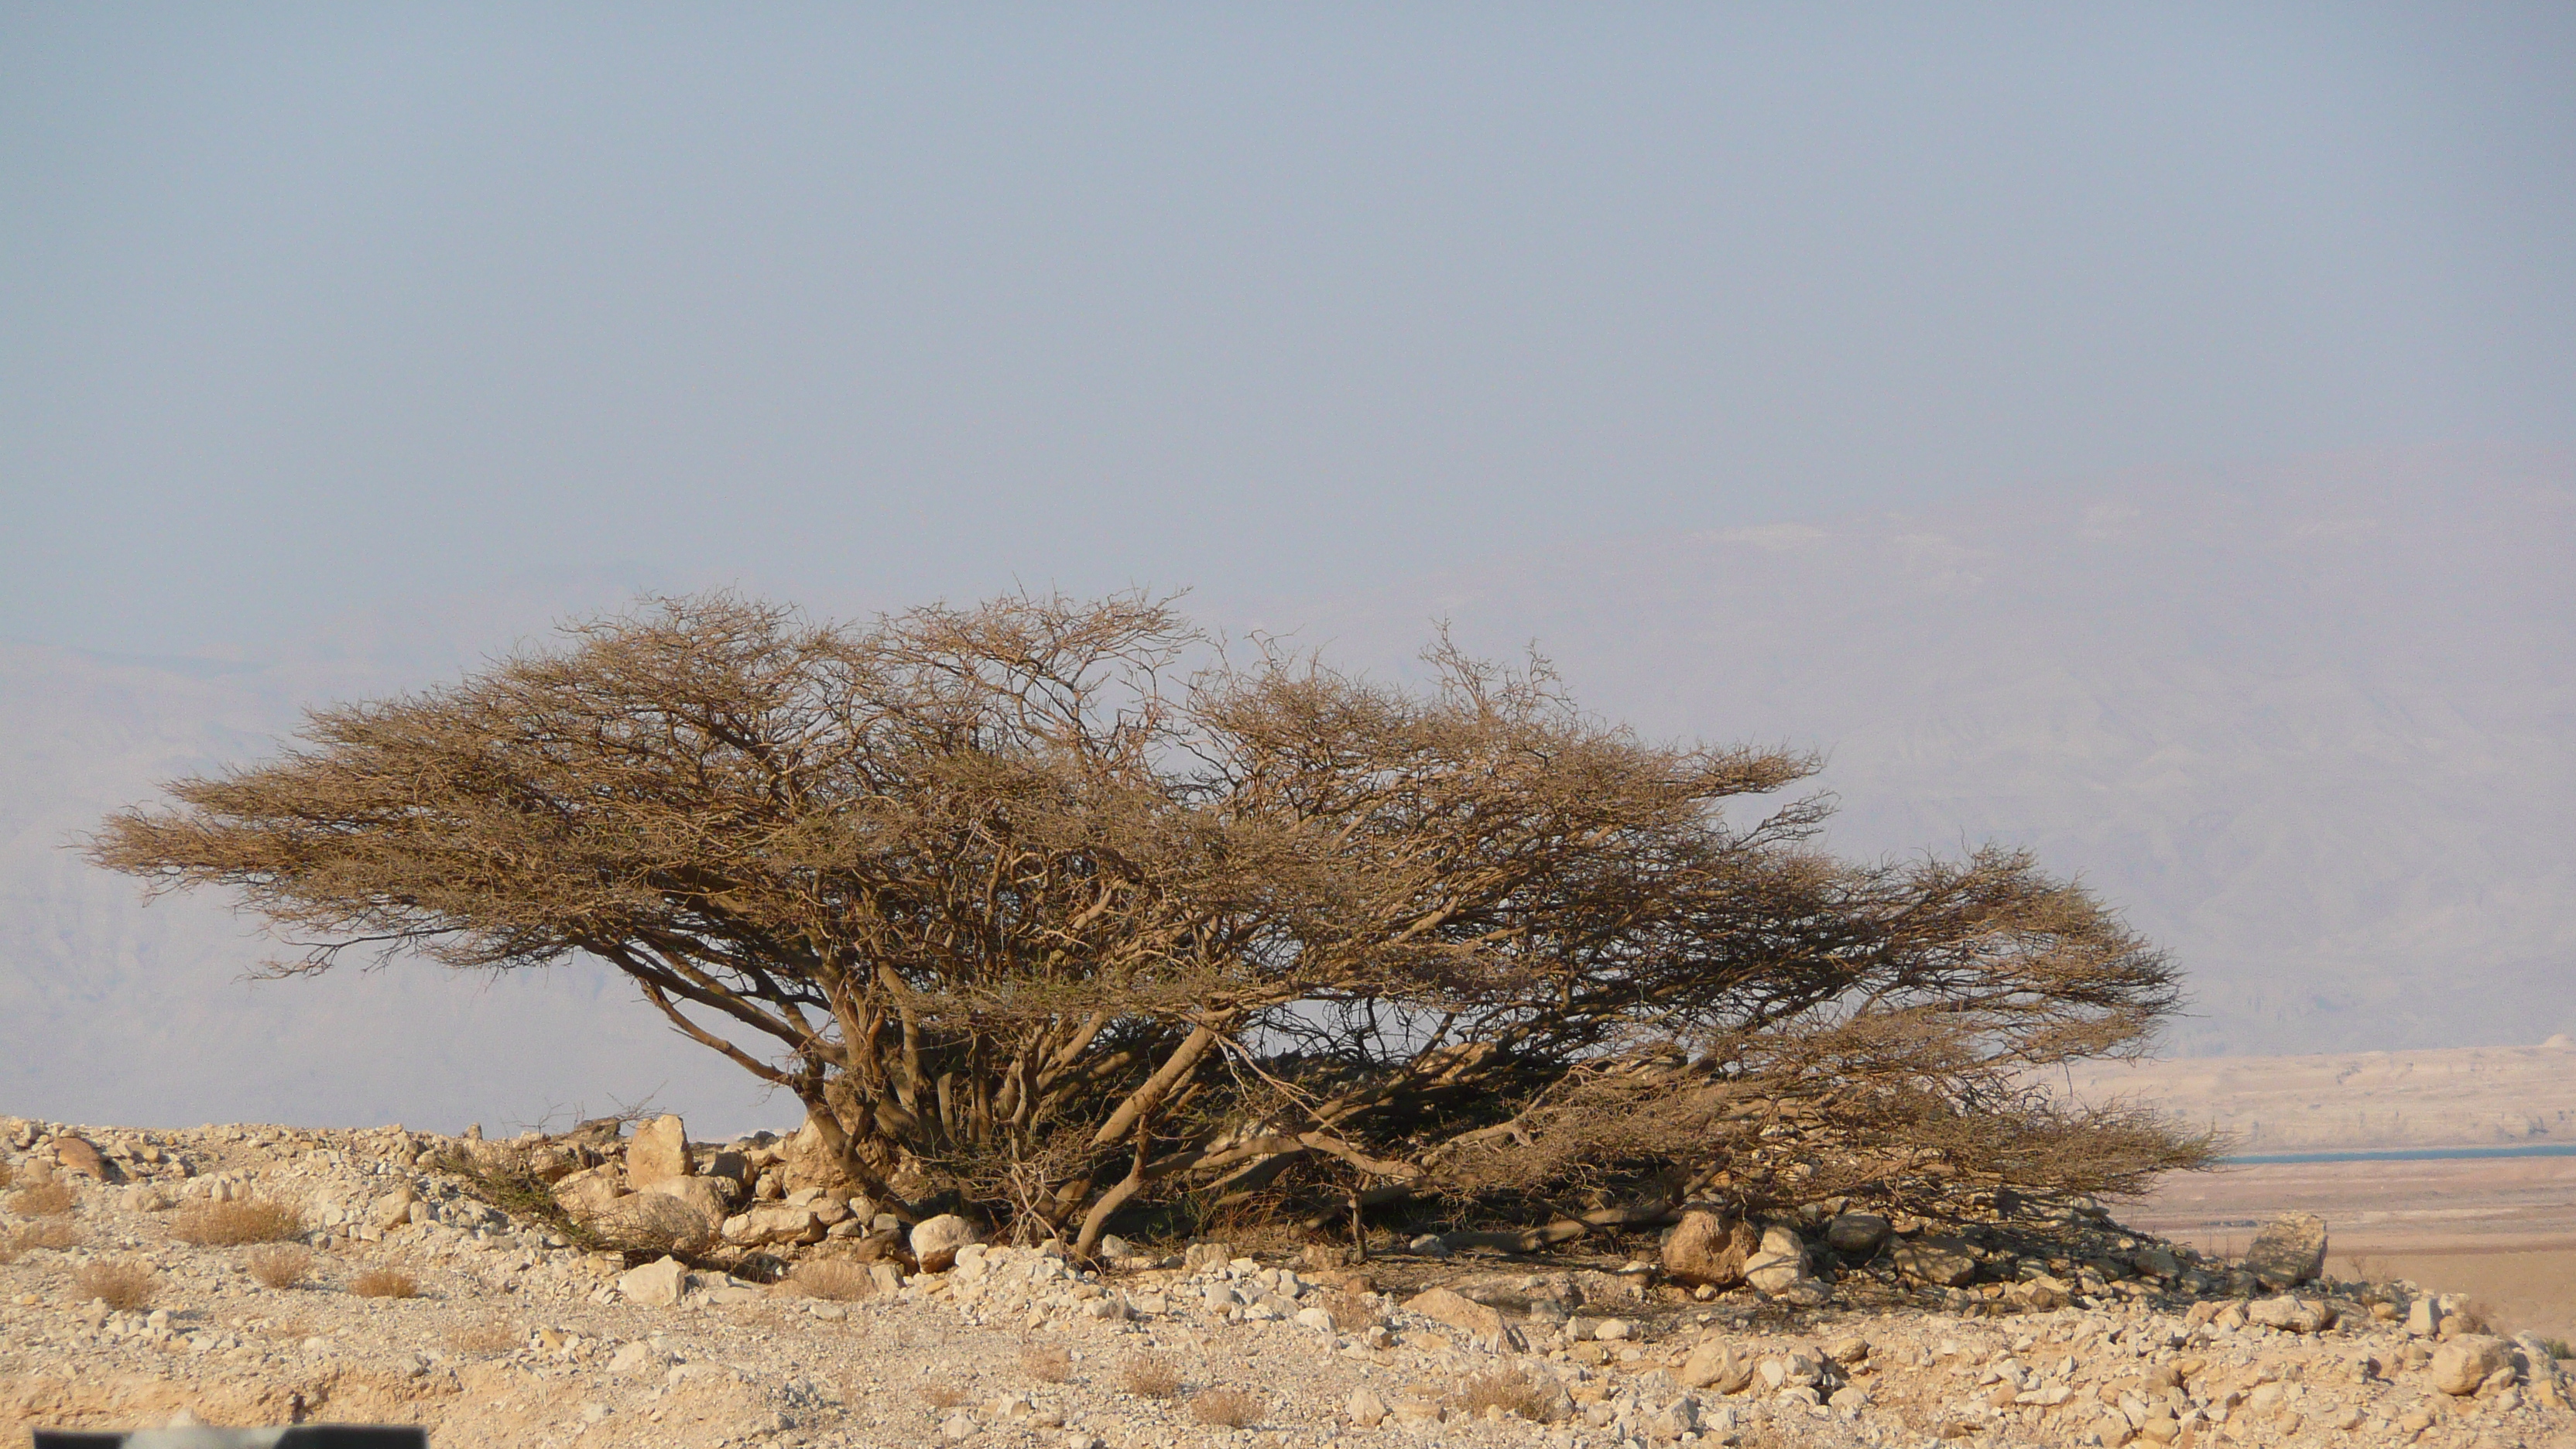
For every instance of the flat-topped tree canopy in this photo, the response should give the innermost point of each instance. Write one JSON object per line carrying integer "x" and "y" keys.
{"x": 1056, "y": 905}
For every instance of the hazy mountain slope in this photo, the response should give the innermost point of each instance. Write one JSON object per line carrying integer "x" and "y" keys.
{"x": 114, "y": 1012}
{"x": 2313, "y": 728}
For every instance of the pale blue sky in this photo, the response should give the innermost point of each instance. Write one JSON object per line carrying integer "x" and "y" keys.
{"x": 307, "y": 312}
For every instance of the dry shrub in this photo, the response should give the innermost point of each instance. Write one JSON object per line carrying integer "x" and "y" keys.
{"x": 56, "y": 1234}
{"x": 122, "y": 1285}
{"x": 488, "y": 1337}
{"x": 233, "y": 1224}
{"x": 1226, "y": 1408}
{"x": 1150, "y": 1378}
{"x": 1050, "y": 1362}
{"x": 943, "y": 1396}
{"x": 384, "y": 1283}
{"x": 8, "y": 1174}
{"x": 1510, "y": 1390}
{"x": 43, "y": 1200}
{"x": 283, "y": 1266}
{"x": 1350, "y": 1312}
{"x": 835, "y": 1279}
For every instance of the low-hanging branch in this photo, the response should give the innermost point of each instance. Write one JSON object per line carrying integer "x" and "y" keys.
{"x": 1055, "y": 906}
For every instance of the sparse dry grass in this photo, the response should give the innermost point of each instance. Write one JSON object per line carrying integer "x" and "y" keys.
{"x": 285, "y": 1265}
{"x": 1226, "y": 1408}
{"x": 1047, "y": 1362}
{"x": 234, "y": 1224}
{"x": 289, "y": 1330}
{"x": 484, "y": 1339}
{"x": 43, "y": 1200}
{"x": 118, "y": 1284}
{"x": 384, "y": 1283}
{"x": 55, "y": 1234}
{"x": 1350, "y": 1312}
{"x": 835, "y": 1279}
{"x": 1510, "y": 1390}
{"x": 943, "y": 1396}
{"x": 8, "y": 1173}
{"x": 1150, "y": 1378}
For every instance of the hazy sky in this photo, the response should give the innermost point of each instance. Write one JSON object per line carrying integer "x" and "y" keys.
{"x": 346, "y": 310}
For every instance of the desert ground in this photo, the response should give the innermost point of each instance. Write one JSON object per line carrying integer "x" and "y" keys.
{"x": 2500, "y": 1230}
{"x": 372, "y": 1284}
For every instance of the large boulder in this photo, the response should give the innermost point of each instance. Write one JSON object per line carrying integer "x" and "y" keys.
{"x": 1709, "y": 1249}
{"x": 2463, "y": 1363}
{"x": 935, "y": 1241}
{"x": 1942, "y": 1261}
{"x": 658, "y": 1153}
{"x": 76, "y": 1154}
{"x": 1780, "y": 1262}
{"x": 2290, "y": 1250}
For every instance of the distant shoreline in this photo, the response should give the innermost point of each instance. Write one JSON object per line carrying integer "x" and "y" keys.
{"x": 2400, "y": 1154}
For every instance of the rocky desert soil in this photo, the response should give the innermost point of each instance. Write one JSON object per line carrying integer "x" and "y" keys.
{"x": 415, "y": 1301}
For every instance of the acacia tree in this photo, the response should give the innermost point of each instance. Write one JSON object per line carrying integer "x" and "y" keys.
{"x": 1022, "y": 903}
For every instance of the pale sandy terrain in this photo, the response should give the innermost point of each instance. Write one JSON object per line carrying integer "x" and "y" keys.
{"x": 2348, "y": 1101}
{"x": 2500, "y": 1229}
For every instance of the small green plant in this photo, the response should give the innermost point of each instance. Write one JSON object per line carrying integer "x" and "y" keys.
{"x": 119, "y": 1285}
{"x": 505, "y": 1180}
{"x": 2557, "y": 1348}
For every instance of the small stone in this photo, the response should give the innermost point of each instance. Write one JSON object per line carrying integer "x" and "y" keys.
{"x": 1314, "y": 1318}
{"x": 658, "y": 1153}
{"x": 1613, "y": 1330}
{"x": 1856, "y": 1232}
{"x": 957, "y": 1427}
{"x": 1781, "y": 1261}
{"x": 1442, "y": 1305}
{"x": 1716, "y": 1365}
{"x": 2461, "y": 1364}
{"x": 636, "y": 1357}
{"x": 1366, "y": 1409}
{"x": 1709, "y": 1249}
{"x": 2289, "y": 1251}
{"x": 393, "y": 1209}
{"x": 935, "y": 1241}
{"x": 76, "y": 1154}
{"x": 657, "y": 1284}
{"x": 1943, "y": 1261}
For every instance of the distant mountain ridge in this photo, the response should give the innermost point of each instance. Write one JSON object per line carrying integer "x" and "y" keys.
{"x": 2313, "y": 728}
